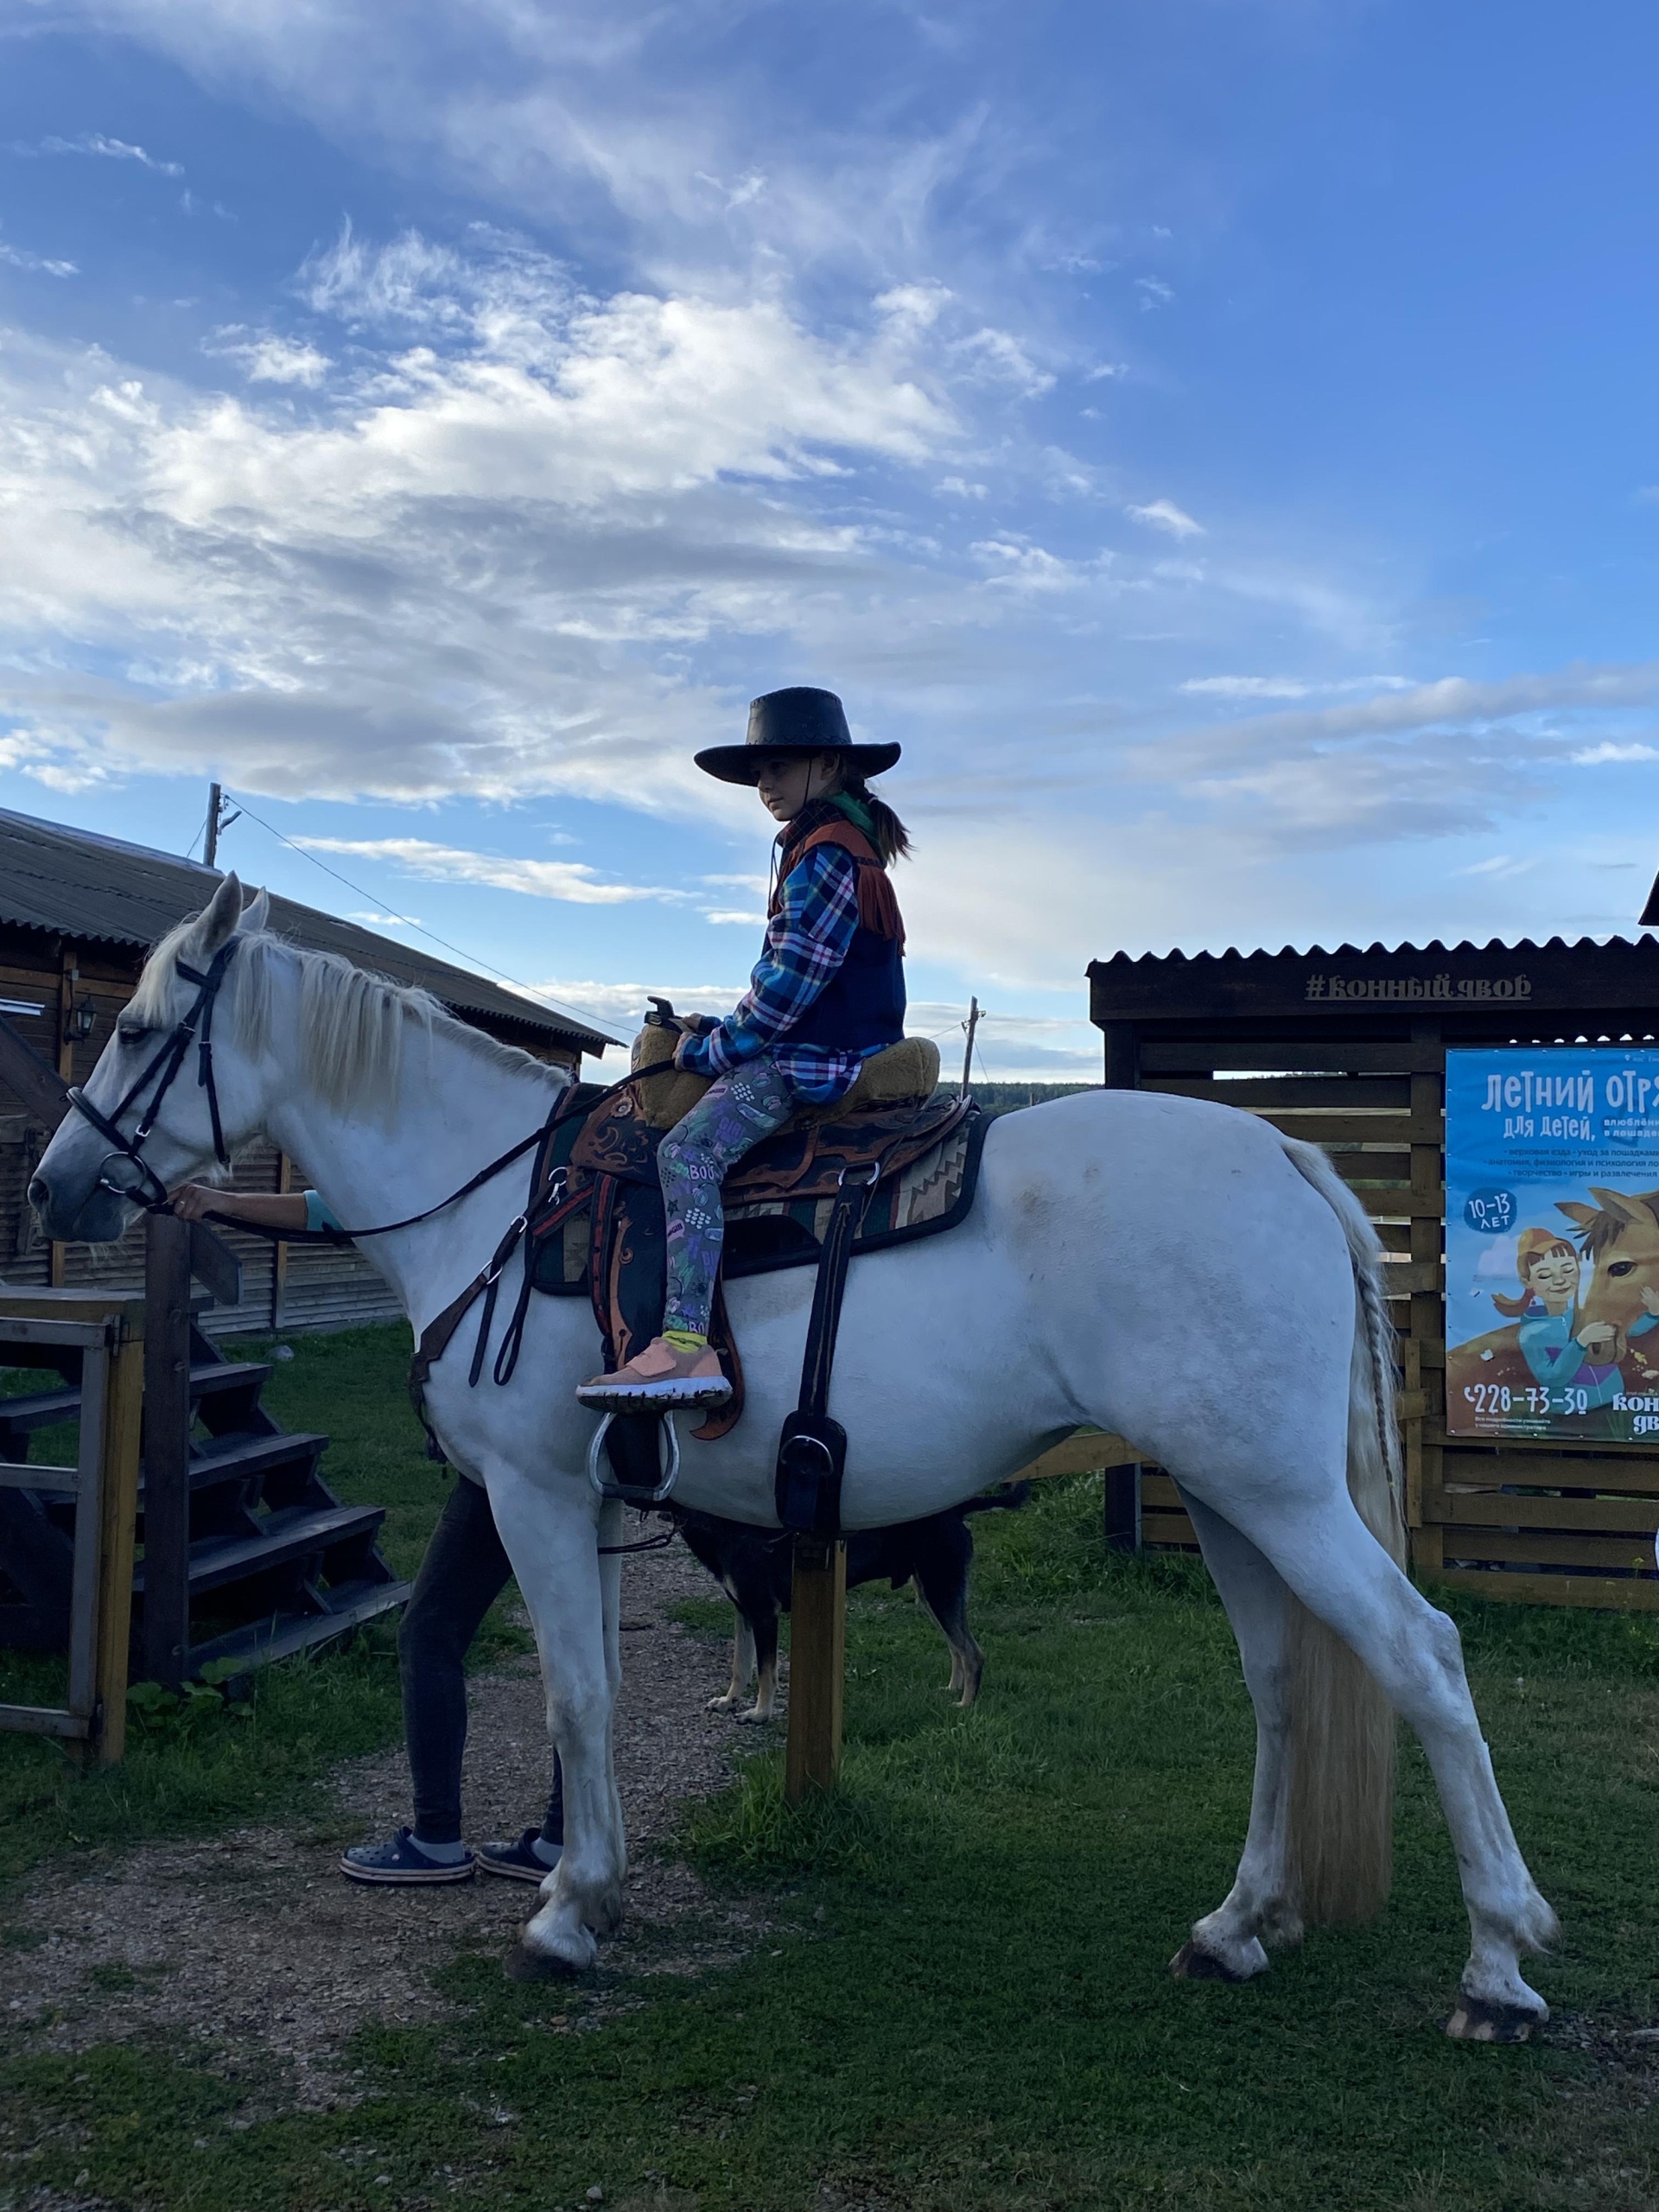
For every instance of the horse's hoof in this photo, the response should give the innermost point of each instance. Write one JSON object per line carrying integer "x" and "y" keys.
{"x": 522, "y": 1964}
{"x": 1191, "y": 1964}
{"x": 1476, "y": 2021}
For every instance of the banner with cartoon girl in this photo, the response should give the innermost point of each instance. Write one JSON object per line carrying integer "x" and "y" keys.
{"x": 1552, "y": 1244}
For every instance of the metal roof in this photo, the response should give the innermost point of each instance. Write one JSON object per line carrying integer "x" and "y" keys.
{"x": 78, "y": 884}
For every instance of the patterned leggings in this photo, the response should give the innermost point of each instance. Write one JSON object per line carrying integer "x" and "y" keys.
{"x": 693, "y": 1160}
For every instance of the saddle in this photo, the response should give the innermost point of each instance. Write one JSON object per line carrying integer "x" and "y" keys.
{"x": 831, "y": 1185}
{"x": 599, "y": 1229}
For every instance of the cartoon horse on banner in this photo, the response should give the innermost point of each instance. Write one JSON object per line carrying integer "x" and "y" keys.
{"x": 961, "y": 1357}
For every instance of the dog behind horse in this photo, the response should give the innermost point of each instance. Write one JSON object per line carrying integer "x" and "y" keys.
{"x": 754, "y": 1567}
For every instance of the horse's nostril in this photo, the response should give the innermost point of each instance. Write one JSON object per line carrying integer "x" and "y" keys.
{"x": 39, "y": 1191}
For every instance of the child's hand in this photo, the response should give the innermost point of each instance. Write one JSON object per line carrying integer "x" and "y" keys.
{"x": 1651, "y": 1300}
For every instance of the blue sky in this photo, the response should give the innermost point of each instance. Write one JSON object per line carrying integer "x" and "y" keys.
{"x": 1215, "y": 438}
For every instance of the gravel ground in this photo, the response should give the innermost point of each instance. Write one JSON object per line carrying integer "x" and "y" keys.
{"x": 253, "y": 1938}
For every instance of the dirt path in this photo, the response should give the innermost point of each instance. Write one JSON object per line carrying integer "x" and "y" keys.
{"x": 253, "y": 1938}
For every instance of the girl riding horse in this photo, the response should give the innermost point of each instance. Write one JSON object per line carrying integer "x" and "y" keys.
{"x": 828, "y": 991}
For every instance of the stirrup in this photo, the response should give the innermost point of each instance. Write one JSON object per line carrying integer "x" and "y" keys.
{"x": 630, "y": 1493}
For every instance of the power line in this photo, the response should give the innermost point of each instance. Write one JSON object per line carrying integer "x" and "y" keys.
{"x": 403, "y": 920}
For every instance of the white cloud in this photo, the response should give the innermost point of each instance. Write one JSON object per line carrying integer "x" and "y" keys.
{"x": 16, "y": 256}
{"x": 756, "y": 920}
{"x": 568, "y": 880}
{"x": 1595, "y": 755}
{"x": 110, "y": 149}
{"x": 461, "y": 568}
{"x": 1164, "y": 514}
{"x": 623, "y": 1006}
{"x": 371, "y": 920}
{"x": 1155, "y": 293}
{"x": 997, "y": 353}
{"x": 270, "y": 359}
{"x": 1288, "y": 687}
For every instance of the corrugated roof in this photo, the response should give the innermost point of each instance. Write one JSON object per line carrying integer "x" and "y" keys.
{"x": 82, "y": 885}
{"x": 1434, "y": 949}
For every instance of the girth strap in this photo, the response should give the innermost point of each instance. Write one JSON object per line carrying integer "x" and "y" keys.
{"x": 812, "y": 1450}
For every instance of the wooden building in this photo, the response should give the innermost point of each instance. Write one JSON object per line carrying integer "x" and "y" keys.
{"x": 78, "y": 914}
{"x": 1347, "y": 1049}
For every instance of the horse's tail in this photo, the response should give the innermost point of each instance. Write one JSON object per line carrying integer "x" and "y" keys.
{"x": 1340, "y": 1819}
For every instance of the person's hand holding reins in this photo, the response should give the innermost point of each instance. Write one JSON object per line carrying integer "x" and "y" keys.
{"x": 692, "y": 1025}
{"x": 269, "y": 1209}
{"x": 192, "y": 1200}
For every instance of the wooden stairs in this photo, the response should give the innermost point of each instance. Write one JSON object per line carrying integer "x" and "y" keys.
{"x": 277, "y": 1563}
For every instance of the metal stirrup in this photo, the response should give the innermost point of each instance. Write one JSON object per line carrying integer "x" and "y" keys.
{"x": 627, "y": 1493}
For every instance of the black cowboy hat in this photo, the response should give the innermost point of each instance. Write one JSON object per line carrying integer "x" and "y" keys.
{"x": 800, "y": 720}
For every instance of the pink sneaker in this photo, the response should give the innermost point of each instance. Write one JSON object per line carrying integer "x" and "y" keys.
{"x": 659, "y": 1375}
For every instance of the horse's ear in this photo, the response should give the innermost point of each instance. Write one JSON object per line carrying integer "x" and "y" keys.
{"x": 216, "y": 924}
{"x": 255, "y": 915}
{"x": 1625, "y": 1206}
{"x": 1583, "y": 1215}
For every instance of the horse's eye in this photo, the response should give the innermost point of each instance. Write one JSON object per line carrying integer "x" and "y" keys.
{"x": 1622, "y": 1268}
{"x": 131, "y": 1032}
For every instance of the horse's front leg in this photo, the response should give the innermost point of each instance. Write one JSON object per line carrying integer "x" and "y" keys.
{"x": 550, "y": 1537}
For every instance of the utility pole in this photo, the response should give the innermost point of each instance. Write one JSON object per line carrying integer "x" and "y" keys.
{"x": 971, "y": 1025}
{"x": 220, "y": 817}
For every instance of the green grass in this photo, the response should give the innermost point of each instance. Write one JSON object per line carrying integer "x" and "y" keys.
{"x": 210, "y": 1766}
{"x": 957, "y": 2001}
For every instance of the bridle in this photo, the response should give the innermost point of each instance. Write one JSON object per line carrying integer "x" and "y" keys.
{"x": 196, "y": 1028}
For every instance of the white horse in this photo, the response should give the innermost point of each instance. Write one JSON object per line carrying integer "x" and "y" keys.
{"x": 1173, "y": 1271}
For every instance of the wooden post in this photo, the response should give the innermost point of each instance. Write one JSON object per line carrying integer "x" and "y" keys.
{"x": 818, "y": 1662}
{"x": 1425, "y": 1385}
{"x": 167, "y": 1449}
{"x": 120, "y": 1512}
{"x": 1122, "y": 1510}
{"x": 68, "y": 977}
{"x": 1122, "y": 1056}
{"x": 279, "y": 1252}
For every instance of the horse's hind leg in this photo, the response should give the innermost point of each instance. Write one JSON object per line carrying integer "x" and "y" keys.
{"x": 1227, "y": 1944}
{"x": 1343, "y": 1575}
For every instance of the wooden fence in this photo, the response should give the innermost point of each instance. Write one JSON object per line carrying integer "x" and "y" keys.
{"x": 1347, "y": 1050}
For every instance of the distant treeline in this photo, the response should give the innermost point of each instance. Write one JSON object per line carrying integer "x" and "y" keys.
{"x": 1008, "y": 1097}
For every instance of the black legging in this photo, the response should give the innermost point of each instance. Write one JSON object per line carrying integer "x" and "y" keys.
{"x": 464, "y": 1572}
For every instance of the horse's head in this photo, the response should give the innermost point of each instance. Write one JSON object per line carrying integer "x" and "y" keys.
{"x": 79, "y": 1191}
{"x": 1621, "y": 1235}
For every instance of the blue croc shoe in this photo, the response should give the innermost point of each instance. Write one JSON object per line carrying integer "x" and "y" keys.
{"x": 517, "y": 1861}
{"x": 402, "y": 1861}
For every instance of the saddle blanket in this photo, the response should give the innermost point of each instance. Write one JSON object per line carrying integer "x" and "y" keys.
{"x": 777, "y": 1206}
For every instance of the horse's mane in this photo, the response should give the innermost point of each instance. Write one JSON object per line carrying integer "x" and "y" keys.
{"x": 1597, "y": 1237}
{"x": 355, "y": 1025}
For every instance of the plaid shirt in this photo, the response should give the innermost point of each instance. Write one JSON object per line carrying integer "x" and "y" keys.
{"x": 806, "y": 941}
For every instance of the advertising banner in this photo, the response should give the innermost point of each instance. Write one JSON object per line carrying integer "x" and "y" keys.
{"x": 1552, "y": 1244}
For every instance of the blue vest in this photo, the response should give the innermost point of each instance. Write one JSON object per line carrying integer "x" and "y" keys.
{"x": 862, "y": 1007}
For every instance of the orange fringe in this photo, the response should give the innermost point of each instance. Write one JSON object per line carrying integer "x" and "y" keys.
{"x": 878, "y": 904}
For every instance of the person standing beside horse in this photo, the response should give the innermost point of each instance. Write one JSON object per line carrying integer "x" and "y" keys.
{"x": 828, "y": 991}
{"x": 462, "y": 1573}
